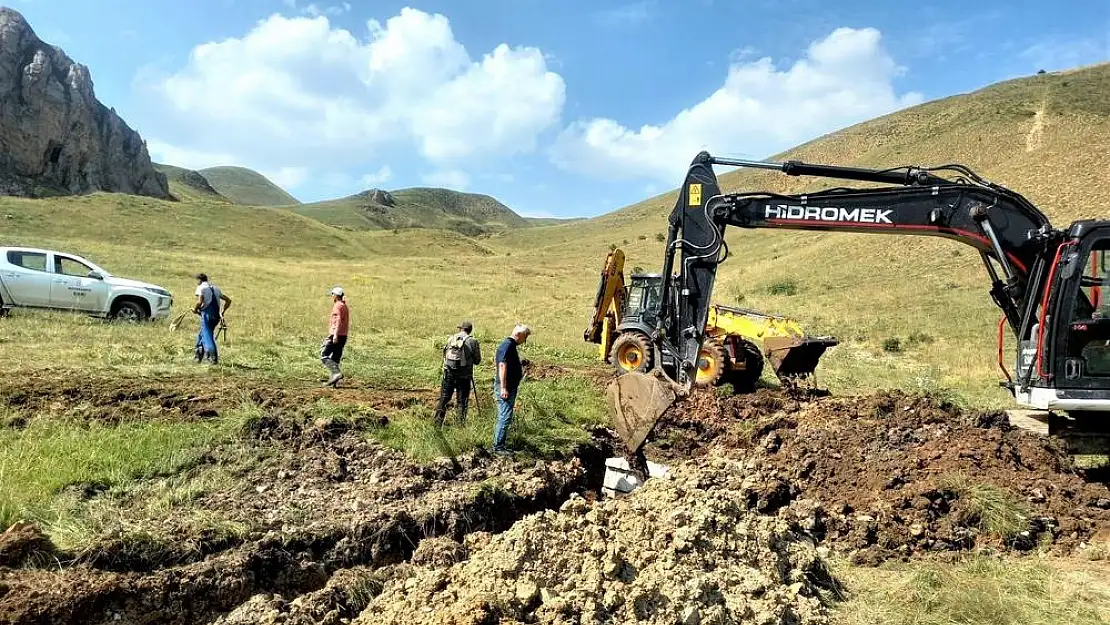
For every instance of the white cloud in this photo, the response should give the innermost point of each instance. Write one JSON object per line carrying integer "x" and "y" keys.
{"x": 298, "y": 92}
{"x": 162, "y": 152}
{"x": 381, "y": 176}
{"x": 287, "y": 177}
{"x": 450, "y": 179}
{"x": 845, "y": 78}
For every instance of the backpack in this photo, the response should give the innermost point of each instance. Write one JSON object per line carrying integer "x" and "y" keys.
{"x": 453, "y": 354}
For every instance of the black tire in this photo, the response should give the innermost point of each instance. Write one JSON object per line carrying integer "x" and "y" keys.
{"x": 129, "y": 311}
{"x": 744, "y": 379}
{"x": 632, "y": 351}
{"x": 713, "y": 362}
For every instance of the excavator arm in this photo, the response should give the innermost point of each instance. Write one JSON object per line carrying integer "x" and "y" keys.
{"x": 1003, "y": 226}
{"x": 949, "y": 201}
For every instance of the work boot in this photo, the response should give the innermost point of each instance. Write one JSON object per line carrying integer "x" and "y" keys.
{"x": 336, "y": 376}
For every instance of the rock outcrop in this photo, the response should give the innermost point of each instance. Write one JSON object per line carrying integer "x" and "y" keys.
{"x": 55, "y": 136}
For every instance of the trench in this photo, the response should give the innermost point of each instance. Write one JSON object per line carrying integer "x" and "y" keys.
{"x": 289, "y": 565}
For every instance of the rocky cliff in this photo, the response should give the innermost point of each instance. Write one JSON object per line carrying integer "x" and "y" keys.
{"x": 55, "y": 136}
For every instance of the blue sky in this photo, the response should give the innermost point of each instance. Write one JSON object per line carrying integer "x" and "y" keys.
{"x": 568, "y": 108}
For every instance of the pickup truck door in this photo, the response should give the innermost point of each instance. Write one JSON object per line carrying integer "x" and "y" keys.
{"x": 71, "y": 287}
{"x": 26, "y": 277}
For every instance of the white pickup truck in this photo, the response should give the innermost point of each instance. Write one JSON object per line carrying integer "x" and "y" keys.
{"x": 34, "y": 278}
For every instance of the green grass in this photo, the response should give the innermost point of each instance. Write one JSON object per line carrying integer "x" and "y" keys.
{"x": 992, "y": 509}
{"x": 979, "y": 591}
{"x": 246, "y": 186}
{"x": 38, "y": 461}
{"x": 467, "y": 213}
{"x": 550, "y": 418}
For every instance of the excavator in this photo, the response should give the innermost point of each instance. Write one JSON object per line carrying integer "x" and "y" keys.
{"x": 1047, "y": 282}
{"x": 737, "y": 340}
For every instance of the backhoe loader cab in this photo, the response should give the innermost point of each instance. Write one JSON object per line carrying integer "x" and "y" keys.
{"x": 643, "y": 297}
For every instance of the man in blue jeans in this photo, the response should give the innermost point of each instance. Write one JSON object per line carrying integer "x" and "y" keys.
{"x": 508, "y": 372}
{"x": 207, "y": 306}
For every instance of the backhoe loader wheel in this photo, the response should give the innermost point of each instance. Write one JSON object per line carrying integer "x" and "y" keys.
{"x": 712, "y": 363}
{"x": 632, "y": 351}
{"x": 748, "y": 368}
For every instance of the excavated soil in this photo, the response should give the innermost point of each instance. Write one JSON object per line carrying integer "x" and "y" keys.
{"x": 334, "y": 528}
{"x": 893, "y": 474}
{"x": 687, "y": 549}
{"x": 310, "y": 524}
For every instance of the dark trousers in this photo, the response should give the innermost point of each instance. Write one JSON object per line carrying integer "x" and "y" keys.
{"x": 333, "y": 350}
{"x": 455, "y": 381}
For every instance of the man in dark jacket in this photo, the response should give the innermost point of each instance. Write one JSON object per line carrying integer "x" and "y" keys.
{"x": 460, "y": 355}
{"x": 508, "y": 372}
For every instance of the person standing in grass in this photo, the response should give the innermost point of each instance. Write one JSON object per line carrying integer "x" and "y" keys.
{"x": 508, "y": 372}
{"x": 207, "y": 306}
{"x": 331, "y": 351}
{"x": 460, "y": 355}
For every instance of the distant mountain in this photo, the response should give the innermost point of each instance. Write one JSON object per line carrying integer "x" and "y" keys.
{"x": 470, "y": 214}
{"x": 246, "y": 186}
{"x": 186, "y": 184}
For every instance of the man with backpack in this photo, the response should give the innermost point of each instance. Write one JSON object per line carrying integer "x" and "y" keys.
{"x": 460, "y": 355}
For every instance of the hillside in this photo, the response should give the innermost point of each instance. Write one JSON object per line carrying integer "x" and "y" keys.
{"x": 246, "y": 186}
{"x": 186, "y": 184}
{"x": 419, "y": 207}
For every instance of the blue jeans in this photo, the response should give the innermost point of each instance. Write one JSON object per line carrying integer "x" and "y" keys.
{"x": 504, "y": 414}
{"x": 206, "y": 338}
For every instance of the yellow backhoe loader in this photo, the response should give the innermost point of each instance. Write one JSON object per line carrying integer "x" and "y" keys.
{"x": 737, "y": 340}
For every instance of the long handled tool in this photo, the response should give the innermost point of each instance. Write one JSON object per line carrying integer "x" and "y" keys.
{"x": 474, "y": 385}
{"x": 176, "y": 323}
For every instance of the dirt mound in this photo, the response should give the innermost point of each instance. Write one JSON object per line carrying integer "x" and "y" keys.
{"x": 24, "y": 543}
{"x": 894, "y": 474}
{"x": 682, "y": 549}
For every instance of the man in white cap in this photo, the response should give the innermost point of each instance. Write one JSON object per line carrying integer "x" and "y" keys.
{"x": 331, "y": 352}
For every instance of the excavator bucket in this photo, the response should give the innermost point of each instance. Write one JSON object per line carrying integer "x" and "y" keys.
{"x": 636, "y": 401}
{"x": 793, "y": 357}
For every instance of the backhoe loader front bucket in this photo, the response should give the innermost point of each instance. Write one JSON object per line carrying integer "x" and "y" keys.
{"x": 636, "y": 401}
{"x": 796, "y": 357}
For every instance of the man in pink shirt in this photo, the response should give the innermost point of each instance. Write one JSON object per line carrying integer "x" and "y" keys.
{"x": 331, "y": 351}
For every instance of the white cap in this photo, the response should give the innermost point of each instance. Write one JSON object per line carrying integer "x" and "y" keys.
{"x": 337, "y": 291}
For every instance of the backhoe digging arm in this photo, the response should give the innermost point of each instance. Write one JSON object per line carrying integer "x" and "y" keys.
{"x": 1002, "y": 225}
{"x": 610, "y": 296}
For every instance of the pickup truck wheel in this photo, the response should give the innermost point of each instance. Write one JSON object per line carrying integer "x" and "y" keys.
{"x": 128, "y": 312}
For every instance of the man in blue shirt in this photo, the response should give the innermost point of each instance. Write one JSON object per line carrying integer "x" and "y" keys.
{"x": 506, "y": 380}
